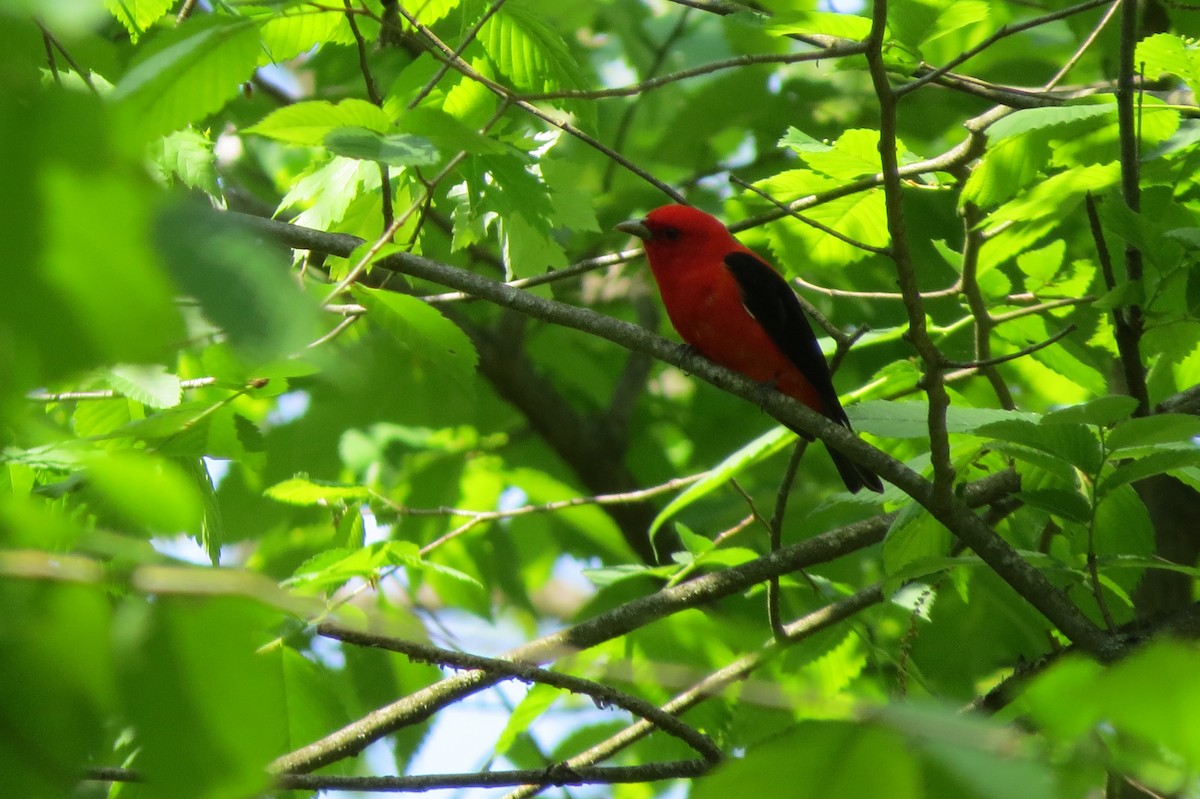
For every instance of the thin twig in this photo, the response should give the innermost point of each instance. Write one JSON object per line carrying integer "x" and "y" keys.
{"x": 1003, "y": 32}
{"x": 480, "y": 517}
{"x": 1094, "y": 572}
{"x": 625, "y": 123}
{"x": 949, "y": 291}
{"x": 774, "y": 612}
{"x": 842, "y": 237}
{"x": 1012, "y": 356}
{"x": 840, "y": 50}
{"x": 1124, "y": 332}
{"x": 1083, "y": 48}
{"x": 983, "y": 321}
{"x": 964, "y": 152}
{"x": 385, "y": 177}
{"x": 337, "y": 330}
{"x": 463, "y": 44}
{"x": 556, "y": 775}
{"x": 104, "y": 394}
{"x": 583, "y": 267}
{"x": 504, "y": 93}
{"x": 526, "y": 672}
{"x": 49, "y": 40}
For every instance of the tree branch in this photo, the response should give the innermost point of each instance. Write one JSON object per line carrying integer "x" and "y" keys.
{"x": 506, "y": 669}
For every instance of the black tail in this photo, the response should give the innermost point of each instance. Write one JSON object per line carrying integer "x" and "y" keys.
{"x": 854, "y": 476}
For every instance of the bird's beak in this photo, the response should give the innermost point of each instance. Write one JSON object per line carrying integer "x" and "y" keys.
{"x": 635, "y": 227}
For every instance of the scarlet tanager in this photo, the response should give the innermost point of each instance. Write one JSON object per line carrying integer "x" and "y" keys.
{"x": 737, "y": 311}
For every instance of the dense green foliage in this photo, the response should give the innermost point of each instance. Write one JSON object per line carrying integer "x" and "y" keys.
{"x": 316, "y": 341}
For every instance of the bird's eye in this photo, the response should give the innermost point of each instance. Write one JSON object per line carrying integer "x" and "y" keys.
{"x": 671, "y": 233}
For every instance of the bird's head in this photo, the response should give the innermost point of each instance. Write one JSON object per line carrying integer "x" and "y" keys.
{"x": 674, "y": 231}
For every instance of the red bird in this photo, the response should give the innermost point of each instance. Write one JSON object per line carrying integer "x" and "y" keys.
{"x": 739, "y": 312}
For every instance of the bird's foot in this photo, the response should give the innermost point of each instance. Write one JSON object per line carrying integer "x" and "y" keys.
{"x": 686, "y": 350}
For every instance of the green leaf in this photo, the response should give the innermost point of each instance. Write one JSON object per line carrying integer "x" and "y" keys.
{"x": 1138, "y": 230}
{"x": 1149, "y": 465}
{"x": 969, "y": 756}
{"x": 859, "y": 216}
{"x": 1165, "y": 53}
{"x": 1057, "y": 194}
{"x": 1033, "y": 119}
{"x": 149, "y": 385}
{"x": 194, "y": 71}
{"x": 1122, "y": 527}
{"x": 186, "y": 156}
{"x": 854, "y": 154}
{"x": 59, "y": 685}
{"x": 841, "y": 760}
{"x": 335, "y": 567}
{"x": 799, "y": 142}
{"x": 910, "y": 419}
{"x": 447, "y": 133}
{"x": 1041, "y": 265}
{"x": 918, "y": 22}
{"x": 535, "y": 703}
{"x": 311, "y": 121}
{"x": 148, "y": 491}
{"x": 433, "y": 341}
{"x": 138, "y": 15}
{"x": 1008, "y": 166}
{"x": 1069, "y": 505}
{"x": 915, "y": 537}
{"x": 1163, "y": 428}
{"x": 100, "y": 418}
{"x": 240, "y": 280}
{"x": 396, "y": 149}
{"x": 528, "y": 51}
{"x": 330, "y": 191}
{"x": 1077, "y": 697}
{"x": 828, "y": 23}
{"x": 1076, "y": 444}
{"x": 303, "y": 491}
{"x": 1102, "y": 412}
{"x": 298, "y": 30}
{"x": 85, "y": 283}
{"x": 759, "y": 449}
{"x": 198, "y": 692}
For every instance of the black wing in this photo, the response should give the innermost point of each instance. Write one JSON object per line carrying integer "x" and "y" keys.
{"x": 769, "y": 298}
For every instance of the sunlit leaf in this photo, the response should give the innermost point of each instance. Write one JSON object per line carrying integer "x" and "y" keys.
{"x": 148, "y": 491}
{"x": 396, "y": 149}
{"x": 138, "y": 15}
{"x": 301, "y": 491}
{"x": 311, "y": 121}
{"x": 193, "y": 72}
{"x": 149, "y": 385}
{"x": 433, "y": 341}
